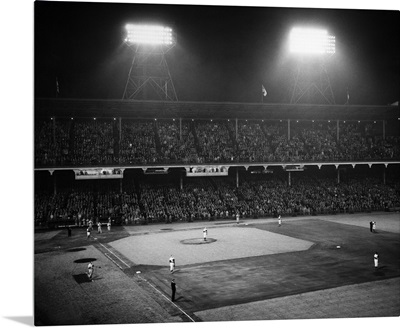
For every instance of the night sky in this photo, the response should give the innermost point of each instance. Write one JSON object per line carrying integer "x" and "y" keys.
{"x": 223, "y": 53}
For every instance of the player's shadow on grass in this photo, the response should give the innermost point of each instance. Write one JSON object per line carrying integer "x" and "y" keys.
{"x": 85, "y": 260}
{"x": 81, "y": 278}
{"x": 76, "y": 249}
{"x": 380, "y": 271}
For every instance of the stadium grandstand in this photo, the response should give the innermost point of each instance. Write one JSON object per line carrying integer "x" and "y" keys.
{"x": 139, "y": 162}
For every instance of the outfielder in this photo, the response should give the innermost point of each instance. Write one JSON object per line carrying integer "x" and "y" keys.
{"x": 376, "y": 257}
{"x": 205, "y": 234}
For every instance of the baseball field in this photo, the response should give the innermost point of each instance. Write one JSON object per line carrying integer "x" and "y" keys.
{"x": 307, "y": 268}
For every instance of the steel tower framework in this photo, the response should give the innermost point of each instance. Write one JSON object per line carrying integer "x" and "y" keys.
{"x": 311, "y": 84}
{"x": 149, "y": 77}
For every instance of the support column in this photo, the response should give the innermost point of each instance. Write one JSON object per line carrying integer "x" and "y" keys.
{"x": 289, "y": 178}
{"x": 120, "y": 186}
{"x": 120, "y": 130}
{"x": 236, "y": 129}
{"x": 337, "y": 130}
{"x": 181, "y": 181}
{"x": 54, "y": 183}
{"x": 288, "y": 130}
{"x": 383, "y": 129}
{"x": 54, "y": 130}
{"x": 338, "y": 175}
{"x": 237, "y": 177}
{"x": 384, "y": 174}
{"x": 180, "y": 129}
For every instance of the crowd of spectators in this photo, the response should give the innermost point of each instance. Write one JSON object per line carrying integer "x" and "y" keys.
{"x": 215, "y": 144}
{"x": 177, "y": 144}
{"x": 52, "y": 139}
{"x": 137, "y": 144}
{"x": 252, "y": 143}
{"x": 217, "y": 198}
{"x": 91, "y": 142}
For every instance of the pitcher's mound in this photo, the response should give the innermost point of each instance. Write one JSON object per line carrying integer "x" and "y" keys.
{"x": 198, "y": 241}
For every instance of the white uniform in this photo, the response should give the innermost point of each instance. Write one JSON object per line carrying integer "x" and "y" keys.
{"x": 376, "y": 257}
{"x": 205, "y": 233}
{"x": 90, "y": 270}
{"x": 279, "y": 220}
{"x": 237, "y": 217}
{"x": 88, "y": 232}
{"x": 171, "y": 264}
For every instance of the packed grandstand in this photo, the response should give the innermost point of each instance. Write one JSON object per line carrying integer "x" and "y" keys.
{"x": 343, "y": 164}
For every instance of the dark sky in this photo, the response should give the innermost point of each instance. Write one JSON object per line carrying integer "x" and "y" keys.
{"x": 223, "y": 53}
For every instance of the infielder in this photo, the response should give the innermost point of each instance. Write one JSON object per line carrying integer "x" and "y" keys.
{"x": 171, "y": 264}
{"x": 99, "y": 227}
{"x": 205, "y": 234}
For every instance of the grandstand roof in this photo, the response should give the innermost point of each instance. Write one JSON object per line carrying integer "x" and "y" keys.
{"x": 209, "y": 110}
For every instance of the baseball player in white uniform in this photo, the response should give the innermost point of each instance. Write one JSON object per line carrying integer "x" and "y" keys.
{"x": 376, "y": 258}
{"x": 171, "y": 264}
{"x": 90, "y": 270}
{"x": 205, "y": 234}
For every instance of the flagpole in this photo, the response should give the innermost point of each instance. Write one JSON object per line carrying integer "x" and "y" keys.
{"x": 57, "y": 87}
{"x": 263, "y": 93}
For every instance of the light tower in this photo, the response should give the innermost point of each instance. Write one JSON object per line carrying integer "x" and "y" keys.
{"x": 149, "y": 76}
{"x": 311, "y": 48}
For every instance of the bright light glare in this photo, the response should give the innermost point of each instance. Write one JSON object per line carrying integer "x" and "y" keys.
{"x": 148, "y": 34}
{"x": 311, "y": 41}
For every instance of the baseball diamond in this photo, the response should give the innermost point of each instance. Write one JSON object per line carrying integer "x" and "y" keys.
{"x": 207, "y": 164}
{"x": 251, "y": 272}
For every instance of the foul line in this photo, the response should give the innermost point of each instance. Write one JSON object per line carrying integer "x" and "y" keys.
{"x": 180, "y": 309}
{"x": 113, "y": 261}
{"x": 115, "y": 256}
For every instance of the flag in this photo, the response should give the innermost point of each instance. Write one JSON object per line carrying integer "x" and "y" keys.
{"x": 264, "y": 92}
{"x": 57, "y": 87}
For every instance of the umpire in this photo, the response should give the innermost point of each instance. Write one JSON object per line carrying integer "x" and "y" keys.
{"x": 173, "y": 288}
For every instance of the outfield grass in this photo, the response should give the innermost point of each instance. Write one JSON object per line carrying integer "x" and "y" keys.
{"x": 254, "y": 271}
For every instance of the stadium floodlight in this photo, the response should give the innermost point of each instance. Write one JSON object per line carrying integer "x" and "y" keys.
{"x": 311, "y": 41}
{"x": 149, "y": 34}
{"x": 311, "y": 49}
{"x": 149, "y": 76}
